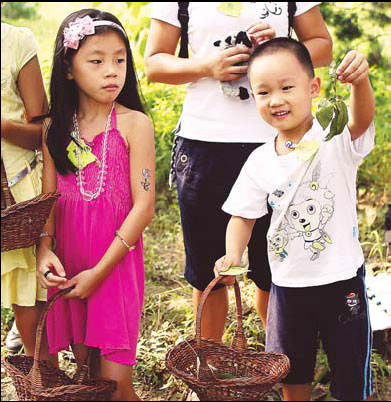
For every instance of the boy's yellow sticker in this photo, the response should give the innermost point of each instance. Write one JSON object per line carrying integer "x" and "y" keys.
{"x": 86, "y": 156}
{"x": 307, "y": 149}
{"x": 233, "y": 9}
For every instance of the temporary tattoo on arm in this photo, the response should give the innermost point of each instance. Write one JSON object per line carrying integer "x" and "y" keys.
{"x": 146, "y": 183}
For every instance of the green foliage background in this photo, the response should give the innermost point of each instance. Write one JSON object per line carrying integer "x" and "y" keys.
{"x": 363, "y": 26}
{"x": 168, "y": 314}
{"x": 356, "y": 25}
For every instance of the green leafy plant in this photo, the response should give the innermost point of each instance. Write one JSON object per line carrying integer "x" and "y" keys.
{"x": 7, "y": 317}
{"x": 380, "y": 366}
{"x": 18, "y": 9}
{"x": 333, "y": 110}
{"x": 377, "y": 246}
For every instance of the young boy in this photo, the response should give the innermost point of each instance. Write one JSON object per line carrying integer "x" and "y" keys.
{"x": 316, "y": 259}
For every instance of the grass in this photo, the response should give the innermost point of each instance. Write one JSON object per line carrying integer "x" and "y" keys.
{"x": 168, "y": 315}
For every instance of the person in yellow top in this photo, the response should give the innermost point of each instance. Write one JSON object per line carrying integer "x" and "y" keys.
{"x": 22, "y": 98}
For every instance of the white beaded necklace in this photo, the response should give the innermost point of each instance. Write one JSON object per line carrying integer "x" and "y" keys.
{"x": 88, "y": 195}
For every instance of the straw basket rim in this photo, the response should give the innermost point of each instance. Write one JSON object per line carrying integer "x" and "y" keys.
{"x": 36, "y": 379}
{"x": 280, "y": 358}
{"x": 220, "y": 372}
{"x": 22, "y": 223}
{"x": 9, "y": 364}
{"x": 24, "y": 204}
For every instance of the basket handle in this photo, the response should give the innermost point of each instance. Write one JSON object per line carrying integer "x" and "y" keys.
{"x": 83, "y": 372}
{"x": 239, "y": 342}
{"x": 35, "y": 373}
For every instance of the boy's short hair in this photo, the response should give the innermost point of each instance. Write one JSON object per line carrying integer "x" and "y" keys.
{"x": 291, "y": 45}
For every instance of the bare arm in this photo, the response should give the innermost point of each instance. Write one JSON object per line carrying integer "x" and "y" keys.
{"x": 49, "y": 178}
{"x": 311, "y": 29}
{"x": 362, "y": 106}
{"x": 32, "y": 92}
{"x": 238, "y": 235}
{"x": 46, "y": 259}
{"x": 354, "y": 70}
{"x": 161, "y": 64}
{"x": 142, "y": 171}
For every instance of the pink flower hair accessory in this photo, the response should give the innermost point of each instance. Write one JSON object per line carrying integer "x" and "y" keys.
{"x": 81, "y": 27}
{"x": 77, "y": 30}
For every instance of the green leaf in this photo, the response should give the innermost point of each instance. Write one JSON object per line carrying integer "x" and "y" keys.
{"x": 333, "y": 127}
{"x": 142, "y": 45}
{"x": 343, "y": 117}
{"x": 324, "y": 115}
{"x": 235, "y": 271}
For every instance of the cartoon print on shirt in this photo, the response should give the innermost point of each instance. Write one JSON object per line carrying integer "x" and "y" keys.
{"x": 278, "y": 242}
{"x": 309, "y": 213}
{"x": 270, "y": 8}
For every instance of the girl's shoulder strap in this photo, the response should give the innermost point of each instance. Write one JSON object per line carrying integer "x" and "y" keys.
{"x": 113, "y": 122}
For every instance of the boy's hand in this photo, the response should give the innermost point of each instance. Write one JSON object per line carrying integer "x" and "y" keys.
{"x": 223, "y": 264}
{"x": 353, "y": 69}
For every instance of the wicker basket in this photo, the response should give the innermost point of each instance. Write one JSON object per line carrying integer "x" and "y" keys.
{"x": 38, "y": 380}
{"x": 22, "y": 223}
{"x": 221, "y": 373}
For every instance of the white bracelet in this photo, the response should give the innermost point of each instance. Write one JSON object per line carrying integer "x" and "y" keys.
{"x": 130, "y": 248}
{"x": 44, "y": 234}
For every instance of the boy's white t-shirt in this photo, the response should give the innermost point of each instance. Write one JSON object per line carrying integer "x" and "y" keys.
{"x": 313, "y": 236}
{"x": 207, "y": 114}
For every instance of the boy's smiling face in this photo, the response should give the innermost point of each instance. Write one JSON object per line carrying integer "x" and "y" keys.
{"x": 283, "y": 92}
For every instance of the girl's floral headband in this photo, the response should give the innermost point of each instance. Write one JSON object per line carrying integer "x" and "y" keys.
{"x": 81, "y": 27}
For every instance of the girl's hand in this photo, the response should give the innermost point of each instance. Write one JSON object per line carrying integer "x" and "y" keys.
{"x": 86, "y": 283}
{"x": 353, "y": 69}
{"x": 261, "y": 32}
{"x": 47, "y": 261}
{"x": 223, "y": 264}
{"x": 222, "y": 67}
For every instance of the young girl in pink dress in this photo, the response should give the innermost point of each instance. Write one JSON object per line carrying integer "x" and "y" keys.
{"x": 99, "y": 154}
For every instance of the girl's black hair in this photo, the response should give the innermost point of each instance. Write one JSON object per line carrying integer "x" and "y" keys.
{"x": 64, "y": 99}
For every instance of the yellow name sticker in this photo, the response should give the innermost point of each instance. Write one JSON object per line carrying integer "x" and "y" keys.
{"x": 232, "y": 9}
{"x": 80, "y": 153}
{"x": 307, "y": 149}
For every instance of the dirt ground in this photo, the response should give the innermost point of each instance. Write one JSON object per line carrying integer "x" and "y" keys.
{"x": 382, "y": 392}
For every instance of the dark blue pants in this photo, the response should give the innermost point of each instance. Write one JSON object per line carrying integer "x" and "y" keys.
{"x": 205, "y": 174}
{"x": 336, "y": 313}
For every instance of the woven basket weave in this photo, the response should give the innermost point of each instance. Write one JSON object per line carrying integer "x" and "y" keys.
{"x": 38, "y": 380}
{"x": 22, "y": 223}
{"x": 221, "y": 373}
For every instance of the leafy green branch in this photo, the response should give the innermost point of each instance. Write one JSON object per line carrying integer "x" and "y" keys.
{"x": 333, "y": 110}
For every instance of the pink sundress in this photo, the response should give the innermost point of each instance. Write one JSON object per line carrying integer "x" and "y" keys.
{"x": 109, "y": 319}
